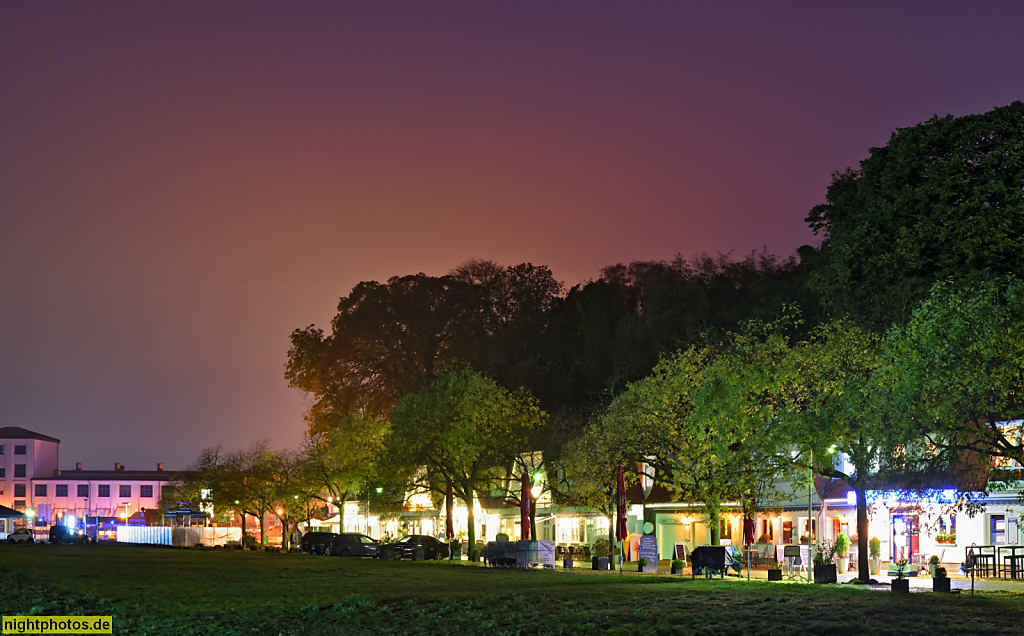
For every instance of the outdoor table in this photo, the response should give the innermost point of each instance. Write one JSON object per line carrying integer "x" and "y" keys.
{"x": 1012, "y": 563}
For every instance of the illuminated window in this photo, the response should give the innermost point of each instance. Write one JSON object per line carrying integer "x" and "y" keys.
{"x": 145, "y": 491}
{"x": 83, "y": 490}
{"x": 103, "y": 490}
{"x": 125, "y": 490}
{"x": 40, "y": 490}
{"x": 62, "y": 490}
{"x": 19, "y": 470}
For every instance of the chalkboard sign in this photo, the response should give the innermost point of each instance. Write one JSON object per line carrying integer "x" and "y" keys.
{"x": 649, "y": 551}
{"x": 681, "y": 551}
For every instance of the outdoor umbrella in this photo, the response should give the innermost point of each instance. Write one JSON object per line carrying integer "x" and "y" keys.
{"x": 621, "y": 533}
{"x": 524, "y": 507}
{"x": 449, "y": 525}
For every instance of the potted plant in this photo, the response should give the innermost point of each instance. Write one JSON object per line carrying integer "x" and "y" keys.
{"x": 933, "y": 562}
{"x": 874, "y": 555}
{"x": 901, "y": 584}
{"x": 824, "y": 568}
{"x": 940, "y": 582}
{"x": 842, "y": 549}
{"x": 677, "y": 566}
{"x": 600, "y": 552}
{"x": 774, "y": 571}
{"x": 641, "y": 564}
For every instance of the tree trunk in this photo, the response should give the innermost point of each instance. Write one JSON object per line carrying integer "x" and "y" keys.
{"x": 862, "y": 533}
{"x": 342, "y": 498}
{"x": 533, "y": 517}
{"x": 263, "y": 528}
{"x": 715, "y": 525}
{"x": 471, "y": 519}
{"x": 242, "y": 538}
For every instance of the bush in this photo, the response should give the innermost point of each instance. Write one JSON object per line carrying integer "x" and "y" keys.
{"x": 874, "y": 548}
{"x": 677, "y": 564}
{"x": 602, "y": 548}
{"x": 842, "y": 545}
{"x": 643, "y": 562}
{"x": 940, "y": 572}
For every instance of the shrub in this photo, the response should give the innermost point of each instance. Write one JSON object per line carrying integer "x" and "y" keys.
{"x": 643, "y": 562}
{"x": 940, "y": 572}
{"x": 602, "y": 547}
{"x": 842, "y": 545}
{"x": 677, "y": 564}
{"x": 874, "y": 548}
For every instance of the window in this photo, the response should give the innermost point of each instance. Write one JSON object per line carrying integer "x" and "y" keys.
{"x": 83, "y": 490}
{"x": 3, "y": 473}
{"x": 3, "y": 449}
{"x": 103, "y": 490}
{"x": 19, "y": 490}
{"x": 125, "y": 490}
{"x": 62, "y": 490}
{"x": 19, "y": 470}
{"x": 997, "y": 524}
{"x": 145, "y": 491}
{"x": 725, "y": 525}
{"x": 40, "y": 490}
{"x": 19, "y": 449}
{"x": 19, "y": 504}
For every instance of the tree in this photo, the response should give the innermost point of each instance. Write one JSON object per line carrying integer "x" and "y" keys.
{"x": 463, "y": 427}
{"x": 957, "y": 369}
{"x": 941, "y": 200}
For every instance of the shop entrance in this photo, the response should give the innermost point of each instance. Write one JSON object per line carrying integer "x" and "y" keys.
{"x": 905, "y": 537}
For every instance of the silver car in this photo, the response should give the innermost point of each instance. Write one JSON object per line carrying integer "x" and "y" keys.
{"x": 22, "y": 535}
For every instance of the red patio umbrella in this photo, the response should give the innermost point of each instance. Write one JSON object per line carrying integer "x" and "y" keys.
{"x": 621, "y": 533}
{"x": 524, "y": 508}
{"x": 449, "y": 525}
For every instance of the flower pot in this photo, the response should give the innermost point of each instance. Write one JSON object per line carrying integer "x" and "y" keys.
{"x": 842, "y": 564}
{"x": 599, "y": 563}
{"x": 825, "y": 573}
{"x": 456, "y": 551}
{"x": 640, "y": 568}
{"x": 901, "y": 585}
{"x": 874, "y": 566}
{"x": 940, "y": 585}
{"x": 567, "y": 564}
{"x": 774, "y": 575}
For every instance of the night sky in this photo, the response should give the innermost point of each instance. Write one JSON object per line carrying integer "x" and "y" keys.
{"x": 183, "y": 184}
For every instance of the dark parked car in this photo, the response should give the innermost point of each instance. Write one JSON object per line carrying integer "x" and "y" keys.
{"x": 405, "y": 547}
{"x": 353, "y": 544}
{"x": 316, "y": 542}
{"x": 64, "y": 534}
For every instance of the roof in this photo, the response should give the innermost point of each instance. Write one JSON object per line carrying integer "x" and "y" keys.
{"x": 8, "y": 513}
{"x": 114, "y": 475}
{"x": 16, "y": 432}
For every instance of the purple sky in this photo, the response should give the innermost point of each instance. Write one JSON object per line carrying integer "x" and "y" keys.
{"x": 183, "y": 184}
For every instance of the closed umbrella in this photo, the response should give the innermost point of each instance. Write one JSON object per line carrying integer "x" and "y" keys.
{"x": 621, "y": 533}
{"x": 524, "y": 508}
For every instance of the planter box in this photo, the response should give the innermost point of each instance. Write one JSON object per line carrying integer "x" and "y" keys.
{"x": 874, "y": 566}
{"x": 599, "y": 563}
{"x": 774, "y": 575}
{"x": 456, "y": 551}
{"x": 678, "y": 570}
{"x": 901, "y": 585}
{"x": 940, "y": 585}
{"x": 567, "y": 564}
{"x": 825, "y": 573}
{"x": 842, "y": 564}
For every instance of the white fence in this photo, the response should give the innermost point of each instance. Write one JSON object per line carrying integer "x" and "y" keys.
{"x": 182, "y": 537}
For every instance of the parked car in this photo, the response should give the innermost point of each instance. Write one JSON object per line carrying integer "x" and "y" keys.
{"x": 405, "y": 547}
{"x": 316, "y": 542}
{"x": 22, "y": 535}
{"x": 64, "y": 534}
{"x": 353, "y": 544}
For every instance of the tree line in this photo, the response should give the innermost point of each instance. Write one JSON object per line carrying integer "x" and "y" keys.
{"x": 895, "y": 344}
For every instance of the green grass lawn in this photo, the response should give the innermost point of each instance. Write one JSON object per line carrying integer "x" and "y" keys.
{"x": 152, "y": 590}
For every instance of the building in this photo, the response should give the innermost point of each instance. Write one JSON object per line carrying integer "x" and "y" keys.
{"x": 32, "y": 482}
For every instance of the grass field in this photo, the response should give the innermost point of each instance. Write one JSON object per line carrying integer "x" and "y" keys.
{"x": 152, "y": 590}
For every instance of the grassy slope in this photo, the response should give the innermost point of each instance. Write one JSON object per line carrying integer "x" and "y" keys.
{"x": 159, "y": 590}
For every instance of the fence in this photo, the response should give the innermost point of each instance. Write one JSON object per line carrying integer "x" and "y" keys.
{"x": 182, "y": 537}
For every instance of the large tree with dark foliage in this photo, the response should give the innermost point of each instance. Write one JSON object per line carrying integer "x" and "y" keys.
{"x": 942, "y": 200}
